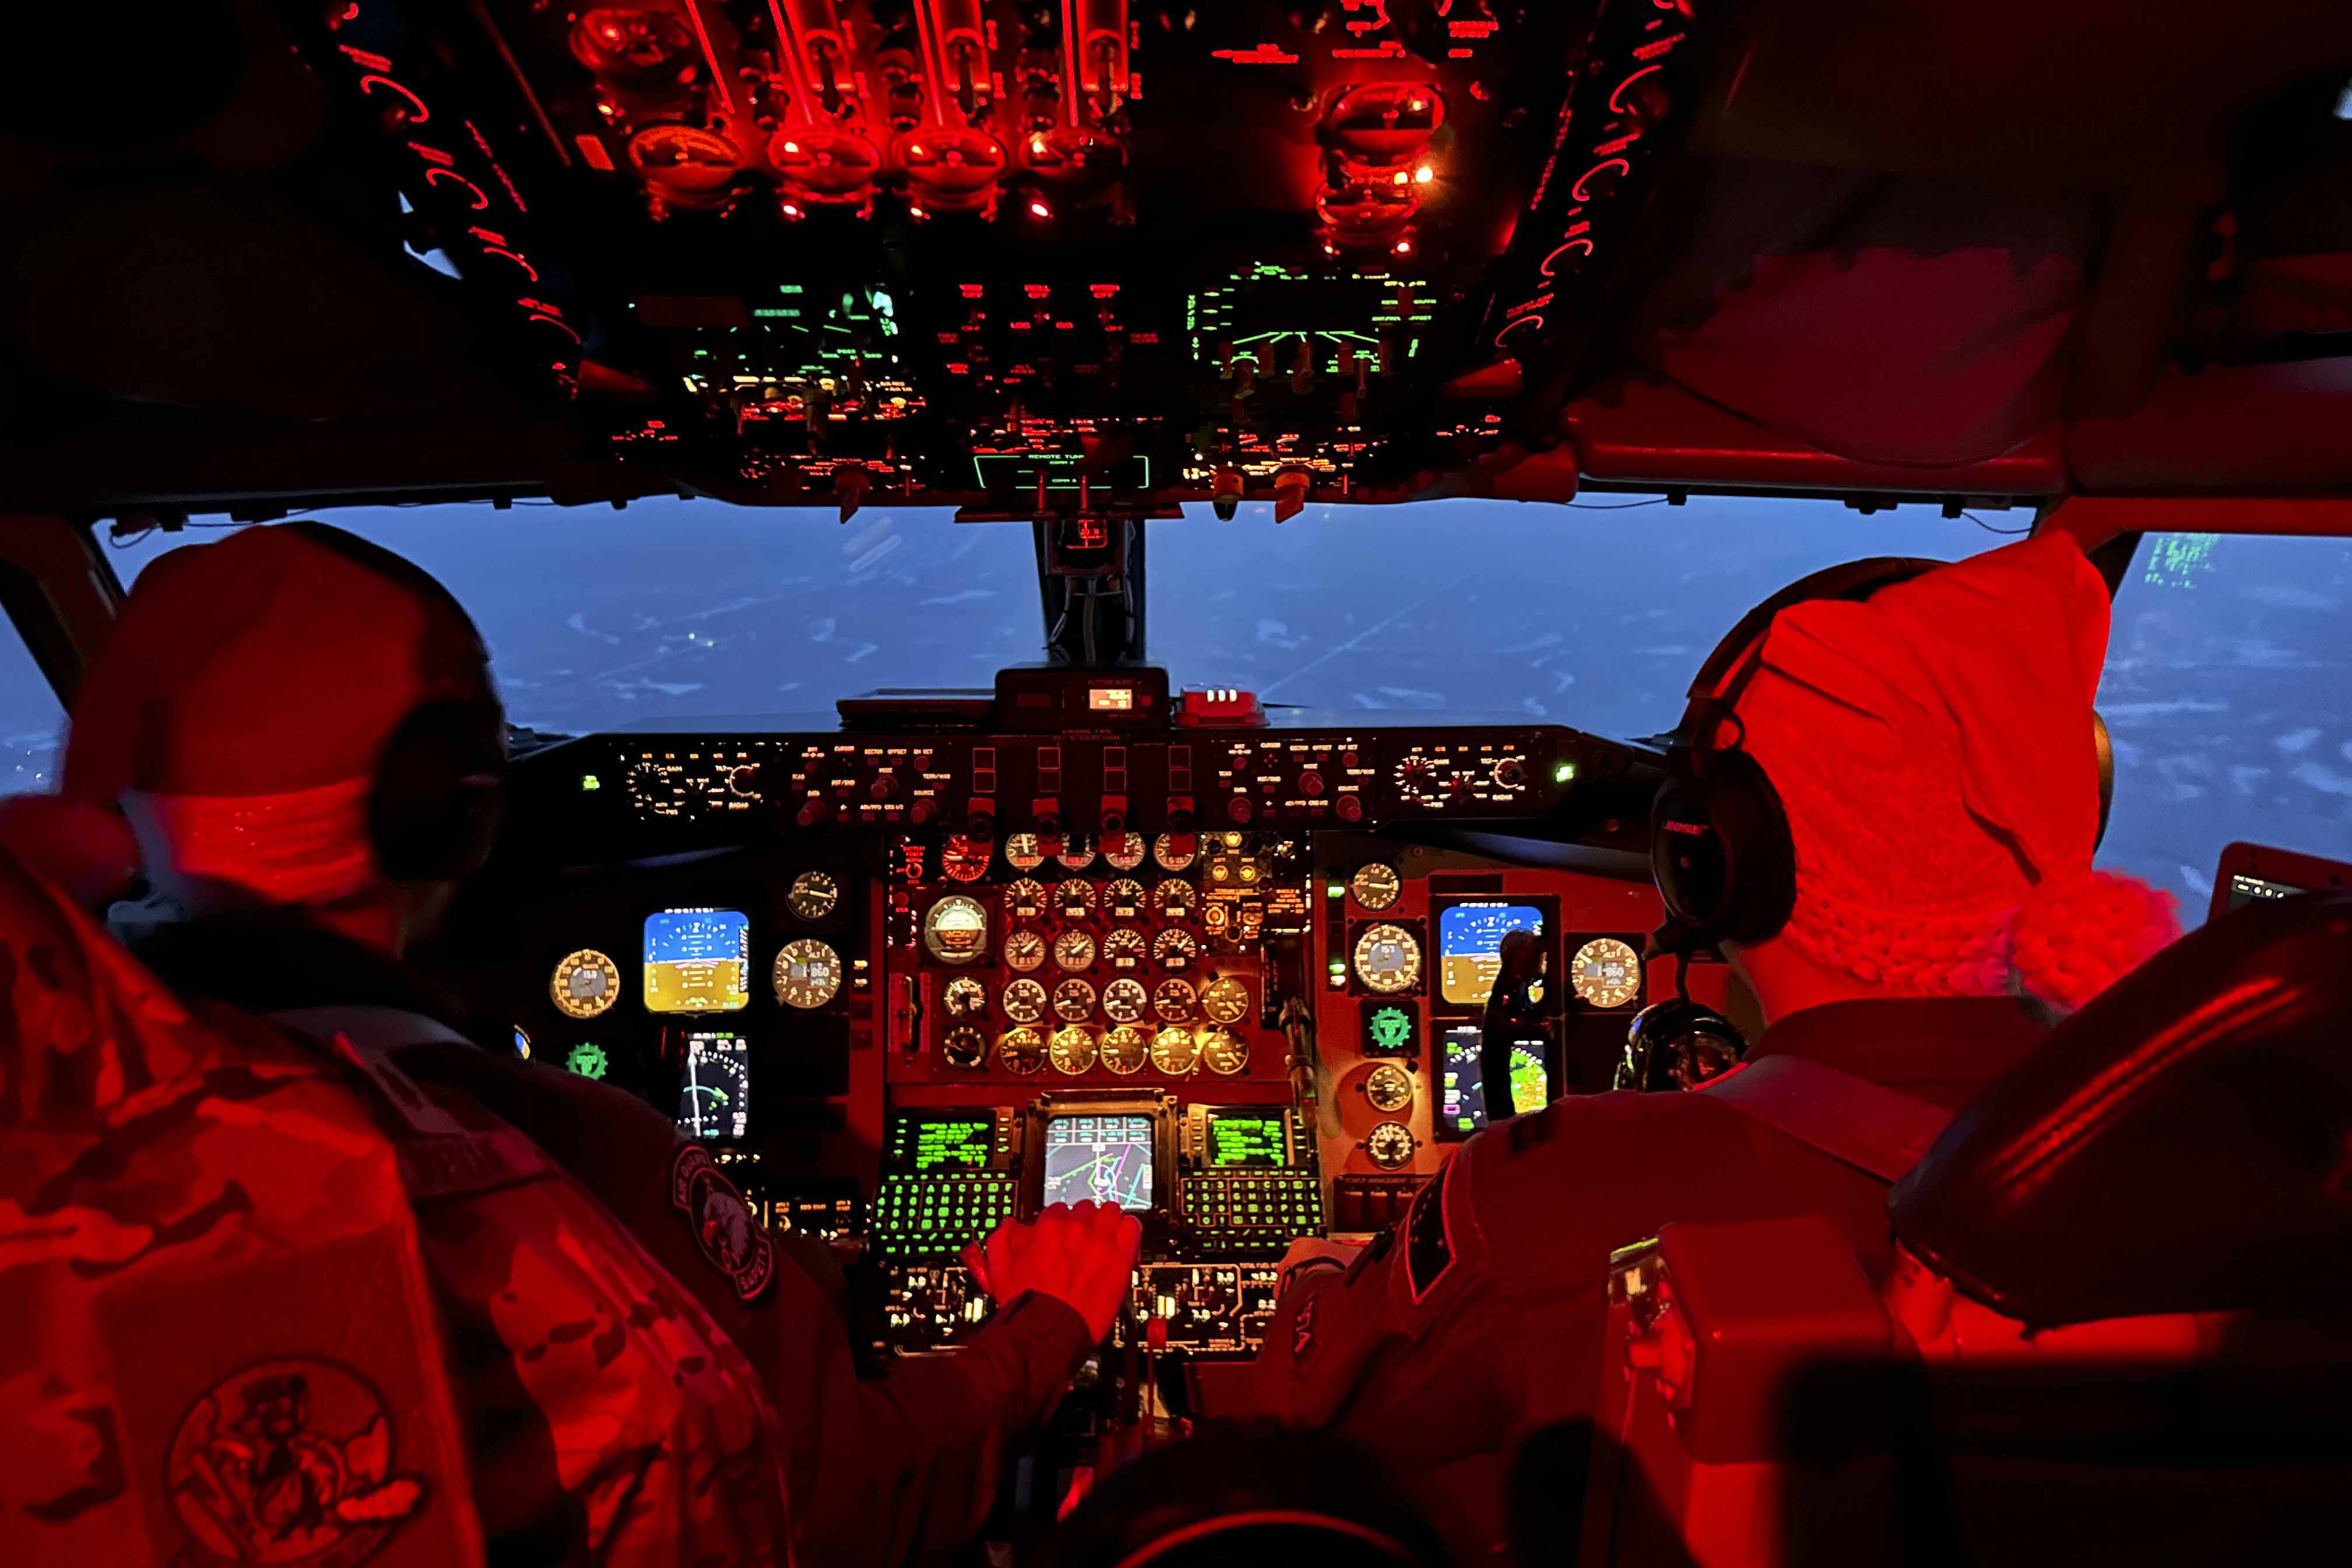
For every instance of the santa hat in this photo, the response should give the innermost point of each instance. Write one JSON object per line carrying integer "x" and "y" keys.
{"x": 238, "y": 710}
{"x": 1934, "y": 748}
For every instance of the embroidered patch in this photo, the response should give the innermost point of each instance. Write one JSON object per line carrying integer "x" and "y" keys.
{"x": 1302, "y": 1328}
{"x": 1429, "y": 1235}
{"x": 289, "y": 1461}
{"x": 722, "y": 1223}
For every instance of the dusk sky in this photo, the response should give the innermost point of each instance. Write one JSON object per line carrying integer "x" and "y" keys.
{"x": 2224, "y": 686}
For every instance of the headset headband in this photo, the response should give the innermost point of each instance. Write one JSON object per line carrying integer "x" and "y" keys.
{"x": 1737, "y": 659}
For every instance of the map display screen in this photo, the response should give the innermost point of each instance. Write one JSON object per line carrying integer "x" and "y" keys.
{"x": 698, "y": 960}
{"x": 1104, "y": 1159}
{"x": 714, "y": 1097}
{"x": 948, "y": 1143}
{"x": 1247, "y": 1138}
{"x": 1462, "y": 1109}
{"x": 1470, "y": 947}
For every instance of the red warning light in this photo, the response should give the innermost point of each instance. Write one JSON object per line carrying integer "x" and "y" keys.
{"x": 1039, "y": 209}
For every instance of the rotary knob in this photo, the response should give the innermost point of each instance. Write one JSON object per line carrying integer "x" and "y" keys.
{"x": 814, "y": 810}
{"x": 1510, "y": 773}
{"x": 1240, "y": 809}
{"x": 885, "y": 787}
{"x": 1347, "y": 808}
{"x": 921, "y": 812}
{"x": 1310, "y": 783}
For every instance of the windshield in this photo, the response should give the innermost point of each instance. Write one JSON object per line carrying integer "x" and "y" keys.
{"x": 2223, "y": 687}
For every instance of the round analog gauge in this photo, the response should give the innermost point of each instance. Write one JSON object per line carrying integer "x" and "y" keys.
{"x": 964, "y": 1047}
{"x": 1126, "y": 1049}
{"x": 1073, "y": 1050}
{"x": 1074, "y": 950}
{"x": 1391, "y": 1145}
{"x": 955, "y": 930}
{"x": 1126, "y": 852}
{"x": 1174, "y": 950}
{"x": 1174, "y": 900}
{"x": 808, "y": 973}
{"x": 812, "y": 896}
{"x": 964, "y": 997}
{"x": 1074, "y": 900}
{"x": 1073, "y": 1001}
{"x": 1125, "y": 949}
{"x": 1390, "y": 1088}
{"x": 1020, "y": 852}
{"x": 1124, "y": 898}
{"x": 1123, "y": 1001}
{"x": 1375, "y": 886}
{"x": 584, "y": 984}
{"x": 1225, "y": 1000}
{"x": 1175, "y": 1001}
{"x": 1222, "y": 1051}
{"x": 1606, "y": 972}
{"x": 1171, "y": 858}
{"x": 1024, "y": 899}
{"x": 1173, "y": 1051}
{"x": 1078, "y": 853}
{"x": 1388, "y": 959}
{"x": 1021, "y": 1050}
{"x": 1025, "y": 1001}
{"x": 966, "y": 859}
{"x": 1024, "y": 950}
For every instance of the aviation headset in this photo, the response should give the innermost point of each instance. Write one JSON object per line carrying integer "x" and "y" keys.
{"x": 1720, "y": 848}
{"x": 438, "y": 793}
{"x": 1677, "y": 1033}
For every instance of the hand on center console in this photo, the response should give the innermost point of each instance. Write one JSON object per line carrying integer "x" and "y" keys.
{"x": 1082, "y": 1254}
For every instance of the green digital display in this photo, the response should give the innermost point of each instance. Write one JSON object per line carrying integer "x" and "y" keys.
{"x": 954, "y": 1142}
{"x": 1247, "y": 1138}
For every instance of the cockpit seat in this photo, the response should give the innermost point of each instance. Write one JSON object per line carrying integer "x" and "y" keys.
{"x": 2120, "y": 1327}
{"x": 1246, "y": 1496}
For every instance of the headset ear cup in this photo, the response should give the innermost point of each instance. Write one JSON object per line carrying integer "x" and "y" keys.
{"x": 1720, "y": 851}
{"x": 439, "y": 794}
{"x": 2103, "y": 746}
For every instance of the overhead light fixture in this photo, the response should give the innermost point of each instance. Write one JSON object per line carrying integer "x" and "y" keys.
{"x": 2344, "y": 102}
{"x": 1424, "y": 174}
{"x": 1039, "y": 209}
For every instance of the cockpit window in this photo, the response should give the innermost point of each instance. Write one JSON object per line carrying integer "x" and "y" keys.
{"x": 2224, "y": 692}
{"x": 2222, "y": 688}
{"x": 32, "y": 720}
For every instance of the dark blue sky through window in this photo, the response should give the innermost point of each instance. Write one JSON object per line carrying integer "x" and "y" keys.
{"x": 2224, "y": 684}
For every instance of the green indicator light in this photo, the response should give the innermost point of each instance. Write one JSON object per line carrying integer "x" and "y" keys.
{"x": 591, "y": 782}
{"x": 1335, "y": 891}
{"x": 1563, "y": 772}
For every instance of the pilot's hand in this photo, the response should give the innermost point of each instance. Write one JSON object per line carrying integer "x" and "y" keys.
{"x": 1082, "y": 1254}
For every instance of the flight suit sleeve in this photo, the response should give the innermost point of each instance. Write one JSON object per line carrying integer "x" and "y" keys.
{"x": 880, "y": 1471}
{"x": 1397, "y": 1347}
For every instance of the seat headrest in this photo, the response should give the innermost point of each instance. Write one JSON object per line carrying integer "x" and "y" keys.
{"x": 2182, "y": 1144}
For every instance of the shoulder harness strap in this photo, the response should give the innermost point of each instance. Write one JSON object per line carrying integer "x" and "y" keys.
{"x": 1878, "y": 1131}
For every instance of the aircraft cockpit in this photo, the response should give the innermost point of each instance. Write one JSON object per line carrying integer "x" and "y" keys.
{"x": 1093, "y": 598}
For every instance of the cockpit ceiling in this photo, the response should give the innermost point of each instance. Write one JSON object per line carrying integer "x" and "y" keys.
{"x": 1115, "y": 255}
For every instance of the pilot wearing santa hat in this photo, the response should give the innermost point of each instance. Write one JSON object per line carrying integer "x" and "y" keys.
{"x": 1881, "y": 809}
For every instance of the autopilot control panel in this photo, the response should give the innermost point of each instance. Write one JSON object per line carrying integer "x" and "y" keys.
{"x": 911, "y": 981}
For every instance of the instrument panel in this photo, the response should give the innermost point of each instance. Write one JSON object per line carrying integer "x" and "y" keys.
{"x": 910, "y": 984}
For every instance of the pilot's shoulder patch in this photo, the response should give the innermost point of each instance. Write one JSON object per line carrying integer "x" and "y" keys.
{"x": 1429, "y": 1250}
{"x": 722, "y": 1222}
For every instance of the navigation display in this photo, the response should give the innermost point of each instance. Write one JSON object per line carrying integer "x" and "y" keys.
{"x": 714, "y": 1098}
{"x": 1104, "y": 1159}
{"x": 1247, "y": 1138}
{"x": 1470, "y": 947}
{"x": 698, "y": 960}
{"x": 1463, "y": 1106}
{"x": 955, "y": 1142}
